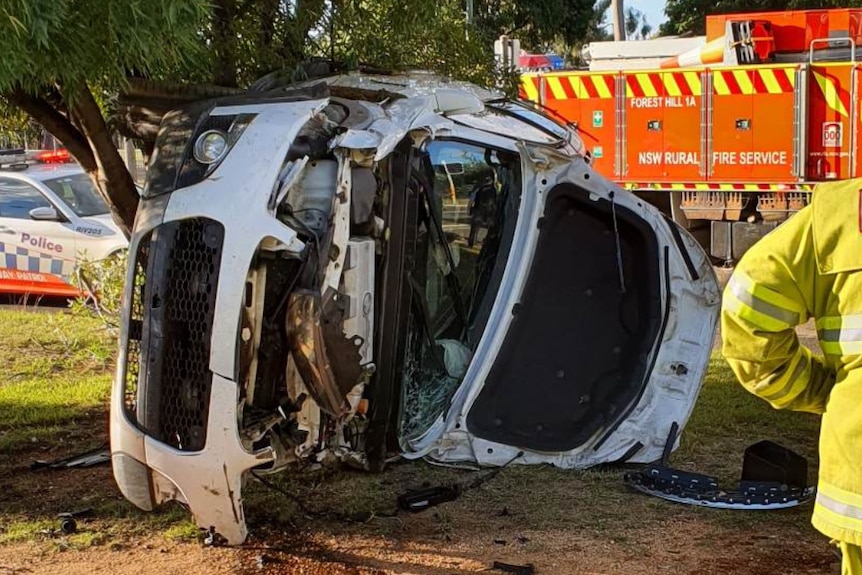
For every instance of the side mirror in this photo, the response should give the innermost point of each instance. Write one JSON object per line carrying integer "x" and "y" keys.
{"x": 45, "y": 213}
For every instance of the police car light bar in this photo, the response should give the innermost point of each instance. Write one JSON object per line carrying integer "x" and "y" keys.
{"x": 60, "y": 156}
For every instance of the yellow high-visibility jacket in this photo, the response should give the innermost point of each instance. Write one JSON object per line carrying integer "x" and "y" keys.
{"x": 810, "y": 266}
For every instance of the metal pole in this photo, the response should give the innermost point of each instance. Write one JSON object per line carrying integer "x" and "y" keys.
{"x": 618, "y": 13}
{"x": 504, "y": 42}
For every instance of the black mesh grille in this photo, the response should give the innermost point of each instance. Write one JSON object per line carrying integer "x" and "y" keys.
{"x": 136, "y": 317}
{"x": 177, "y": 328}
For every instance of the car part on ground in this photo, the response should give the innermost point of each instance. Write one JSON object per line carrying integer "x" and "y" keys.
{"x": 90, "y": 458}
{"x": 773, "y": 477}
{"x": 382, "y": 265}
{"x": 422, "y": 498}
{"x": 68, "y": 525}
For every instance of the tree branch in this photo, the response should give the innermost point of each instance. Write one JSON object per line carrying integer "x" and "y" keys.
{"x": 111, "y": 177}
{"x": 57, "y": 124}
{"x": 243, "y": 8}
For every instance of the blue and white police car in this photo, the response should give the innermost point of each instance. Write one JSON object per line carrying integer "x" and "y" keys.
{"x": 51, "y": 217}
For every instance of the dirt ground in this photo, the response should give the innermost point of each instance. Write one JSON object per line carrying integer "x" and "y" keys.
{"x": 586, "y": 525}
{"x": 313, "y": 555}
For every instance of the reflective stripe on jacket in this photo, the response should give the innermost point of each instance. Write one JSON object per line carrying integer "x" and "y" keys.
{"x": 810, "y": 266}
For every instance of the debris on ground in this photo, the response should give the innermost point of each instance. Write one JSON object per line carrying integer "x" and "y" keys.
{"x": 421, "y": 499}
{"x": 528, "y": 569}
{"x": 773, "y": 477}
{"x": 97, "y": 456}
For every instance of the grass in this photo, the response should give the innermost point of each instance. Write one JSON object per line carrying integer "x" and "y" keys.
{"x": 727, "y": 419}
{"x": 55, "y": 380}
{"x": 18, "y": 531}
{"x": 55, "y": 373}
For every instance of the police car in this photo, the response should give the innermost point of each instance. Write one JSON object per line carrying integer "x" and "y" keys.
{"x": 51, "y": 217}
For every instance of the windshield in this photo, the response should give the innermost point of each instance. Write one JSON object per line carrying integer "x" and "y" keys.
{"x": 78, "y": 192}
{"x": 466, "y": 220}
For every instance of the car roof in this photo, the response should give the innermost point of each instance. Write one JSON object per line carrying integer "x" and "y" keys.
{"x": 41, "y": 172}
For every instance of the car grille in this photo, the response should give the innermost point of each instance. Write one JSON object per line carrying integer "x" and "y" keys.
{"x": 174, "y": 349}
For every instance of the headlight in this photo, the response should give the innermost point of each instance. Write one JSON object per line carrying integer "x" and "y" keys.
{"x": 210, "y": 147}
{"x": 191, "y": 144}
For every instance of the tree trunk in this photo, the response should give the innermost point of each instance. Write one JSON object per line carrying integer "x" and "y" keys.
{"x": 224, "y": 43}
{"x": 111, "y": 175}
{"x": 91, "y": 145}
{"x": 58, "y": 125}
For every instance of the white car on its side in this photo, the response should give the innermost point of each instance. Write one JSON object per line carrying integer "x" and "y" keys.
{"x": 363, "y": 266}
{"x": 51, "y": 217}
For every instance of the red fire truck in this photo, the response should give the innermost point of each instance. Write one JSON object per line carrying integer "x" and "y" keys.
{"x": 731, "y": 138}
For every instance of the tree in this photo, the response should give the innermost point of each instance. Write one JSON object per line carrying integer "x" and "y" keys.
{"x": 250, "y": 38}
{"x": 598, "y": 29}
{"x": 689, "y": 16}
{"x": 537, "y": 23}
{"x": 637, "y": 27}
{"x": 83, "y": 68}
{"x": 62, "y": 59}
{"x": 399, "y": 34}
{"x": 17, "y": 129}
{"x": 268, "y": 43}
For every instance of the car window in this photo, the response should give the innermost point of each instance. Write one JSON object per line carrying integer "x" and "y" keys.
{"x": 515, "y": 119}
{"x": 77, "y": 192}
{"x": 462, "y": 243}
{"x": 17, "y": 198}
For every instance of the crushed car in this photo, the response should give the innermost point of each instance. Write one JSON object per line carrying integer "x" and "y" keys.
{"x": 359, "y": 266}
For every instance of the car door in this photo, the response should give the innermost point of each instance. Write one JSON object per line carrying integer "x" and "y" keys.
{"x": 36, "y": 256}
{"x": 583, "y": 329}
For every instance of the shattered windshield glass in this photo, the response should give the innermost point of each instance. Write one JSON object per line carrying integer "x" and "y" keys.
{"x": 466, "y": 219}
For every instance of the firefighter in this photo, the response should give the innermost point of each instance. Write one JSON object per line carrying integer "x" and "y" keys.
{"x": 810, "y": 266}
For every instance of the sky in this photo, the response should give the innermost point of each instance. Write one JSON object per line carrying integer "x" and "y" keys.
{"x": 654, "y": 10}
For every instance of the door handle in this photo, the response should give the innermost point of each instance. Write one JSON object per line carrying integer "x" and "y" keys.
{"x": 5, "y": 230}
